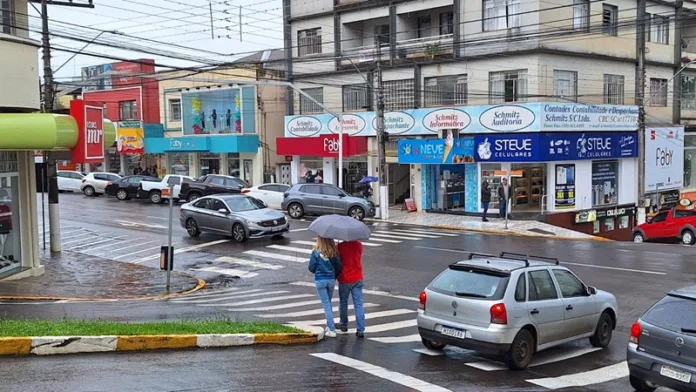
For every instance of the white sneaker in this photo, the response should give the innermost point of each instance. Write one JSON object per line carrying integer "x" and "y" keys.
{"x": 330, "y": 334}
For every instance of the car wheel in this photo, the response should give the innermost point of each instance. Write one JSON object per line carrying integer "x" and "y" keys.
{"x": 356, "y": 213}
{"x": 122, "y": 194}
{"x": 602, "y": 335}
{"x": 638, "y": 238}
{"x": 192, "y": 197}
{"x": 521, "y": 351}
{"x": 239, "y": 233}
{"x": 155, "y": 197}
{"x": 640, "y": 385}
{"x": 295, "y": 210}
{"x": 192, "y": 228}
{"x": 688, "y": 237}
{"x": 88, "y": 191}
{"x": 433, "y": 345}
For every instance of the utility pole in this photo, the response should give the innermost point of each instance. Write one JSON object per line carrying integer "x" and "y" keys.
{"x": 640, "y": 101}
{"x": 381, "y": 148}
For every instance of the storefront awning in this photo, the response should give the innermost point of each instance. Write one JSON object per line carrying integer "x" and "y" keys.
{"x": 41, "y": 131}
{"x": 322, "y": 146}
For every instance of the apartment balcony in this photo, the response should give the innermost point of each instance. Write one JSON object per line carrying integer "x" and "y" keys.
{"x": 425, "y": 48}
{"x": 365, "y": 54}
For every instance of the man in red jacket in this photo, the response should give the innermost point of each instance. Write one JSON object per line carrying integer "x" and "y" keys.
{"x": 350, "y": 283}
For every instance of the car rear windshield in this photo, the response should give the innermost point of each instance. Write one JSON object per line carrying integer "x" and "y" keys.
{"x": 673, "y": 313}
{"x": 470, "y": 284}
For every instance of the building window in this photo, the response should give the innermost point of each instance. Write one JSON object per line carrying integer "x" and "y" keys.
{"x": 308, "y": 42}
{"x": 309, "y": 107}
{"x": 658, "y": 92}
{"x": 7, "y": 20}
{"x": 565, "y": 85}
{"x": 605, "y": 183}
{"x": 581, "y": 14}
{"x": 508, "y": 86}
{"x": 500, "y": 14}
{"x": 398, "y": 94}
{"x": 175, "y": 109}
{"x": 446, "y": 23}
{"x": 382, "y": 34}
{"x": 614, "y": 89}
{"x": 424, "y": 26}
{"x": 659, "y": 29}
{"x": 688, "y": 92}
{"x": 127, "y": 110}
{"x": 610, "y": 19}
{"x": 446, "y": 90}
{"x": 356, "y": 98}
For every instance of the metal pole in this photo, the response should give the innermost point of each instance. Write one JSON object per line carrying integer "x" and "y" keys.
{"x": 381, "y": 150}
{"x": 240, "y": 24}
{"x": 640, "y": 101}
{"x": 507, "y": 200}
{"x": 212, "y": 28}
{"x": 340, "y": 151}
{"x": 43, "y": 202}
{"x": 170, "y": 252}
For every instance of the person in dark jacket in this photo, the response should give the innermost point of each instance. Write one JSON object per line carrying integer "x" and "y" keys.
{"x": 504, "y": 196}
{"x": 485, "y": 198}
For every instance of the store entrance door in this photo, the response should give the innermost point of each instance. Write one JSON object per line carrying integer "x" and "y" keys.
{"x": 210, "y": 166}
{"x": 529, "y": 190}
{"x": 399, "y": 181}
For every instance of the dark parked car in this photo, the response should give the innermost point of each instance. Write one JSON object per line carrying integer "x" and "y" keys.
{"x": 322, "y": 199}
{"x": 126, "y": 187}
{"x": 662, "y": 344}
{"x": 211, "y": 184}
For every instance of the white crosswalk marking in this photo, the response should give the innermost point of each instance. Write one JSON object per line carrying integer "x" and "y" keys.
{"x": 205, "y": 294}
{"x": 107, "y": 245}
{"x": 312, "y": 312}
{"x": 276, "y": 307}
{"x": 95, "y": 243}
{"x": 215, "y": 295}
{"x": 539, "y": 359}
{"x": 247, "y": 294}
{"x": 228, "y": 271}
{"x": 398, "y": 339}
{"x": 596, "y": 376}
{"x": 248, "y": 263}
{"x": 264, "y": 300}
{"x": 182, "y": 250}
{"x": 277, "y": 256}
{"x": 397, "y": 237}
{"x": 390, "y": 326}
{"x": 141, "y": 251}
{"x": 425, "y": 232}
{"x": 384, "y": 240}
{"x": 365, "y": 291}
{"x": 409, "y": 234}
{"x": 291, "y": 249}
{"x": 312, "y": 243}
{"x": 368, "y": 316}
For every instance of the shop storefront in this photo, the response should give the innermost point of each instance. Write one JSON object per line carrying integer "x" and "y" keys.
{"x": 195, "y": 156}
{"x": 667, "y": 168}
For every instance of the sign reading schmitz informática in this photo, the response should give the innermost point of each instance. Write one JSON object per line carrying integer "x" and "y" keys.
{"x": 90, "y": 124}
{"x": 521, "y": 118}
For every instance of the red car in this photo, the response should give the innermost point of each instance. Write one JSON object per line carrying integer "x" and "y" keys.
{"x": 671, "y": 224}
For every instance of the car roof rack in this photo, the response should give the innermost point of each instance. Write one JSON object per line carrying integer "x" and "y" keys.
{"x": 526, "y": 258}
{"x": 474, "y": 255}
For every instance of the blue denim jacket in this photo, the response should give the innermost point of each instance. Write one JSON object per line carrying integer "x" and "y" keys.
{"x": 324, "y": 268}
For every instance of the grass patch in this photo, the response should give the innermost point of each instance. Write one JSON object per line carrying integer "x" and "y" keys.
{"x": 68, "y": 327}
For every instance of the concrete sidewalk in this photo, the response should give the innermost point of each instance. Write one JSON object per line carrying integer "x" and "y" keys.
{"x": 494, "y": 226}
{"x": 76, "y": 276}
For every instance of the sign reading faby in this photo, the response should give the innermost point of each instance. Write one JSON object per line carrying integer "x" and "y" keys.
{"x": 90, "y": 141}
{"x": 508, "y": 148}
{"x": 184, "y": 144}
{"x": 664, "y": 158}
{"x": 588, "y": 145}
{"x": 436, "y": 151}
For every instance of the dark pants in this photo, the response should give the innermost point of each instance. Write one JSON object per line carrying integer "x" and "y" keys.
{"x": 503, "y": 208}
{"x": 485, "y": 210}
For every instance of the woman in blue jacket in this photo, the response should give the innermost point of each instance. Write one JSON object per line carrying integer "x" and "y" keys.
{"x": 325, "y": 264}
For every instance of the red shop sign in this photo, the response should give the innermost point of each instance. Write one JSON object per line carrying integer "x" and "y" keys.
{"x": 90, "y": 139}
{"x": 323, "y": 146}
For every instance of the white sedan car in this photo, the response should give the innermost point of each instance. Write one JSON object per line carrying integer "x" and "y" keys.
{"x": 94, "y": 183}
{"x": 70, "y": 181}
{"x": 271, "y": 194}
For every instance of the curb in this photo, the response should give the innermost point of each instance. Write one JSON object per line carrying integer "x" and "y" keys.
{"x": 199, "y": 285}
{"x": 512, "y": 233}
{"x": 57, "y": 345}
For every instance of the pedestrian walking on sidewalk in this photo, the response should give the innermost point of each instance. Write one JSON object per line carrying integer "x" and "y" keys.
{"x": 350, "y": 284}
{"x": 485, "y": 198}
{"x": 503, "y": 197}
{"x": 325, "y": 264}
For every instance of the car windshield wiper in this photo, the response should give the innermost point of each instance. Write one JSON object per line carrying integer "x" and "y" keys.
{"x": 688, "y": 330}
{"x": 473, "y": 295}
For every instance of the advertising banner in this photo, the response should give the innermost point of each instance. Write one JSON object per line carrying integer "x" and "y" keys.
{"x": 561, "y": 146}
{"x": 565, "y": 187}
{"x": 129, "y": 138}
{"x": 531, "y": 117}
{"x": 436, "y": 151}
{"x": 664, "y": 158}
{"x": 221, "y": 111}
{"x": 114, "y": 75}
{"x": 605, "y": 182}
{"x": 90, "y": 139}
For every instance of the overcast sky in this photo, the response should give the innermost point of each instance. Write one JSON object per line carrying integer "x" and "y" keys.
{"x": 182, "y": 22}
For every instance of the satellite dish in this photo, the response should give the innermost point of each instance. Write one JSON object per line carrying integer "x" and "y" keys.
{"x": 685, "y": 202}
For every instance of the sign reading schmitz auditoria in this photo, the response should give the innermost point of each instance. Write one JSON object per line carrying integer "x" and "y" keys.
{"x": 90, "y": 140}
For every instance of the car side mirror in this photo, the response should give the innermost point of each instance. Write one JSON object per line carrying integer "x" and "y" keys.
{"x": 342, "y": 195}
{"x": 223, "y": 211}
{"x": 591, "y": 290}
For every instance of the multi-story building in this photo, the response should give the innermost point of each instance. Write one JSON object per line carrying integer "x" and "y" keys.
{"x": 475, "y": 55}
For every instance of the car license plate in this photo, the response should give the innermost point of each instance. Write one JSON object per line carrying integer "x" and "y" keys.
{"x": 675, "y": 374}
{"x": 453, "y": 332}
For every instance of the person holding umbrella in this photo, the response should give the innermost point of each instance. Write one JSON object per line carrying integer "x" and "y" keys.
{"x": 325, "y": 264}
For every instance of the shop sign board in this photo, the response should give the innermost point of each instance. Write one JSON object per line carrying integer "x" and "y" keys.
{"x": 90, "y": 141}
{"x": 530, "y": 117}
{"x": 565, "y": 187}
{"x": 129, "y": 138}
{"x": 664, "y": 158}
{"x": 188, "y": 144}
{"x": 436, "y": 151}
{"x": 508, "y": 148}
{"x": 587, "y": 216}
{"x": 589, "y": 145}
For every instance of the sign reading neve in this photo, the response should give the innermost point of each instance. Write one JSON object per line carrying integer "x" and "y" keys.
{"x": 436, "y": 151}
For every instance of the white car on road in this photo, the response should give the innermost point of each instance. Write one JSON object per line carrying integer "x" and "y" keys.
{"x": 70, "y": 181}
{"x": 153, "y": 190}
{"x": 93, "y": 184}
{"x": 271, "y": 194}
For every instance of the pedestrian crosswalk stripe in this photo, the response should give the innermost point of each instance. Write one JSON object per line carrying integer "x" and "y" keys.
{"x": 264, "y": 300}
{"x": 248, "y": 263}
{"x": 391, "y": 326}
{"x": 95, "y": 243}
{"x": 276, "y": 307}
{"x": 368, "y": 316}
{"x": 121, "y": 248}
{"x": 312, "y": 243}
{"x": 397, "y": 237}
{"x": 310, "y": 312}
{"x": 108, "y": 245}
{"x": 218, "y": 296}
{"x": 426, "y": 232}
{"x": 406, "y": 234}
{"x": 246, "y": 294}
{"x": 228, "y": 271}
{"x": 182, "y": 250}
{"x": 141, "y": 251}
{"x": 539, "y": 359}
{"x": 209, "y": 293}
{"x": 276, "y": 256}
{"x": 365, "y": 291}
{"x": 603, "y": 374}
{"x": 398, "y": 339}
{"x": 383, "y": 240}
{"x": 291, "y": 249}
{"x": 80, "y": 236}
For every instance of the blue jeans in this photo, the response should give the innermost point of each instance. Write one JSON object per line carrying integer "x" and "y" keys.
{"x": 503, "y": 208}
{"x": 325, "y": 290}
{"x": 352, "y": 290}
{"x": 485, "y": 210}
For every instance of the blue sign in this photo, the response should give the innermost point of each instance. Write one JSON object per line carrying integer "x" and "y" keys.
{"x": 436, "y": 151}
{"x": 508, "y": 148}
{"x": 591, "y": 145}
{"x": 213, "y": 144}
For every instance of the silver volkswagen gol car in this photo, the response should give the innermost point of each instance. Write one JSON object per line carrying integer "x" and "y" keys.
{"x": 513, "y": 305}
{"x": 662, "y": 345}
{"x": 322, "y": 199}
{"x": 241, "y": 217}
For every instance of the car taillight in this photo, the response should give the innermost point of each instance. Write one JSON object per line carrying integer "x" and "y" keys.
{"x": 636, "y": 329}
{"x": 422, "y": 297}
{"x": 181, "y": 212}
{"x": 245, "y": 191}
{"x": 109, "y": 183}
{"x": 498, "y": 314}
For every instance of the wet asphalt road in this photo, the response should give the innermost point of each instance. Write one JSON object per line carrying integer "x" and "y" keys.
{"x": 396, "y": 270}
